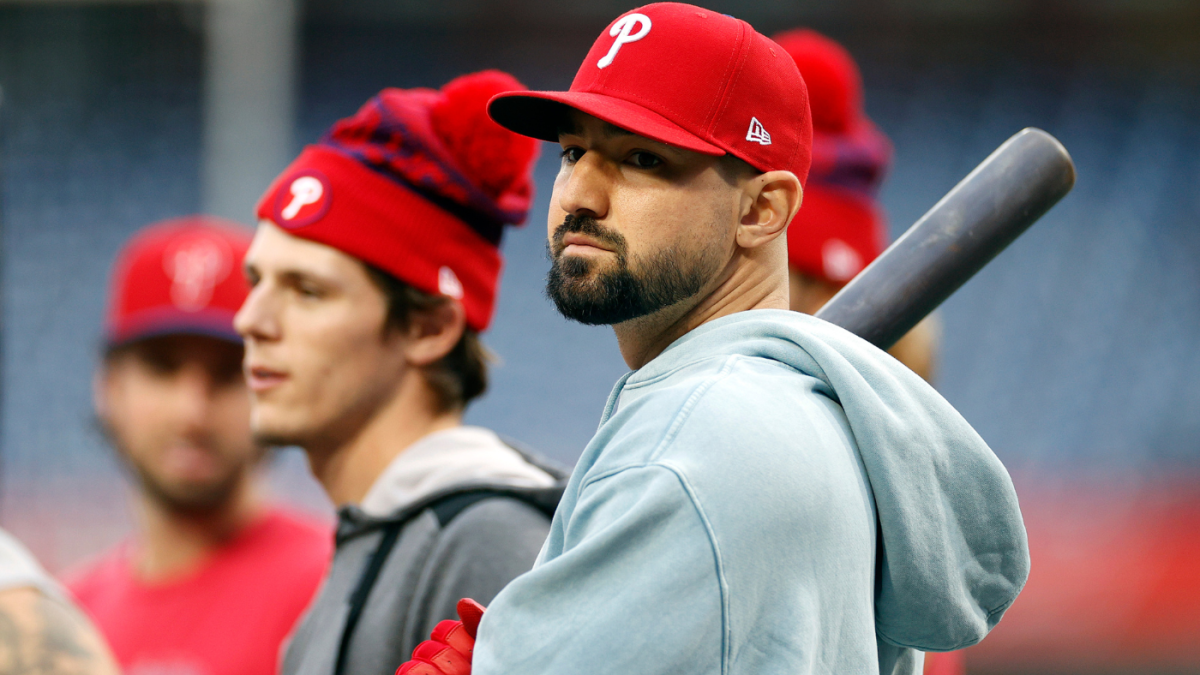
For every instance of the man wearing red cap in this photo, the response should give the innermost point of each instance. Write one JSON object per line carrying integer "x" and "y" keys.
{"x": 766, "y": 493}
{"x": 374, "y": 270}
{"x": 840, "y": 228}
{"x": 215, "y": 579}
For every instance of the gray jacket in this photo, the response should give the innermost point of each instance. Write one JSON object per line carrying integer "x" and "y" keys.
{"x": 463, "y": 542}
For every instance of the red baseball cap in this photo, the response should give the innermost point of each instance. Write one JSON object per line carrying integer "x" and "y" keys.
{"x": 685, "y": 76}
{"x": 419, "y": 183}
{"x": 180, "y": 276}
{"x": 840, "y": 228}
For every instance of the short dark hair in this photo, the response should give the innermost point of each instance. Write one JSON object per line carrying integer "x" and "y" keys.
{"x": 458, "y": 377}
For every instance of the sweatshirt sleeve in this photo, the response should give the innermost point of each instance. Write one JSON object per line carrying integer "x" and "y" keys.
{"x": 637, "y": 589}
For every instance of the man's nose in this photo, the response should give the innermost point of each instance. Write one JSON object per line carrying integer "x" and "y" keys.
{"x": 195, "y": 389}
{"x": 257, "y": 319}
{"x": 584, "y": 189}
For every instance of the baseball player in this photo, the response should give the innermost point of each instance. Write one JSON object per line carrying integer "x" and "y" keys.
{"x": 214, "y": 578}
{"x": 840, "y": 228}
{"x": 374, "y": 270}
{"x": 41, "y": 631}
{"x": 765, "y": 492}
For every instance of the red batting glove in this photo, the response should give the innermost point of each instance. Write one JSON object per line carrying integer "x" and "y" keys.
{"x": 449, "y": 650}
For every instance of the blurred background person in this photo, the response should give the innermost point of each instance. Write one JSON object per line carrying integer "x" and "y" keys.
{"x": 41, "y": 631}
{"x": 214, "y": 578}
{"x": 840, "y": 228}
{"x": 373, "y": 271}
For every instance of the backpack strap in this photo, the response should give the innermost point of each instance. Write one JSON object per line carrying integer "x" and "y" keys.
{"x": 445, "y": 509}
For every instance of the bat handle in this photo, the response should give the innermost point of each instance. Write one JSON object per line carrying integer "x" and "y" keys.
{"x": 972, "y": 224}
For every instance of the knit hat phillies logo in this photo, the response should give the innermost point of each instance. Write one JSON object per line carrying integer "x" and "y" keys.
{"x": 623, "y": 31}
{"x": 305, "y": 201}
{"x": 195, "y": 267}
{"x": 840, "y": 260}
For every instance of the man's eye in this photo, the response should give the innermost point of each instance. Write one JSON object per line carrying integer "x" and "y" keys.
{"x": 308, "y": 291}
{"x": 645, "y": 160}
{"x": 572, "y": 154}
{"x": 160, "y": 364}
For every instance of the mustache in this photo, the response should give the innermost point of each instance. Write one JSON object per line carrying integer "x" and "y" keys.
{"x": 573, "y": 224}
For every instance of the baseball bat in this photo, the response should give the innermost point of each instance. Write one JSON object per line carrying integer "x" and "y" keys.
{"x": 972, "y": 224}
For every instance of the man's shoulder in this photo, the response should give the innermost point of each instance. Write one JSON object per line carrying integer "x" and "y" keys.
{"x": 104, "y": 574}
{"x": 726, "y": 395}
{"x": 292, "y": 525}
{"x": 729, "y": 416}
{"x": 286, "y": 534}
{"x": 496, "y": 517}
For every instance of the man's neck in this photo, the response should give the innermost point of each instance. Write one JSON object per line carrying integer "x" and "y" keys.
{"x": 348, "y": 471}
{"x": 173, "y": 542}
{"x": 744, "y": 286}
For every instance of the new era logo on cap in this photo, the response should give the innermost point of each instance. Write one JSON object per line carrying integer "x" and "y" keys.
{"x": 305, "y": 201}
{"x": 448, "y": 283}
{"x": 757, "y": 133}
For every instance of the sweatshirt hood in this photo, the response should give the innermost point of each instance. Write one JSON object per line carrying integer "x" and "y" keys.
{"x": 953, "y": 553}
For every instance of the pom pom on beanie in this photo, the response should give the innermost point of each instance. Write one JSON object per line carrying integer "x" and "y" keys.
{"x": 834, "y": 83}
{"x": 494, "y": 158}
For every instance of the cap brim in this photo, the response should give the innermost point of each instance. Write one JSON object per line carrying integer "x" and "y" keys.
{"x": 541, "y": 114}
{"x": 216, "y": 325}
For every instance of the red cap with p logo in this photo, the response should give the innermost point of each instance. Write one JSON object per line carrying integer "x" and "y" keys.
{"x": 180, "y": 276}
{"x": 685, "y": 76}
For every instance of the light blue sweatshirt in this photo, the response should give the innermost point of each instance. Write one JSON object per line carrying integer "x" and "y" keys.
{"x": 769, "y": 495}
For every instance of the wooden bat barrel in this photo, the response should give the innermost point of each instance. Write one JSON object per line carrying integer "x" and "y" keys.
{"x": 972, "y": 224}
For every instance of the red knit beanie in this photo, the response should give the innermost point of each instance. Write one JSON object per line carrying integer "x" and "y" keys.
{"x": 419, "y": 183}
{"x": 840, "y": 228}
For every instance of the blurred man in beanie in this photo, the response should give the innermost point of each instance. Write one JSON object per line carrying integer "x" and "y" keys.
{"x": 214, "y": 579}
{"x": 841, "y": 228}
{"x": 766, "y": 493}
{"x": 373, "y": 271}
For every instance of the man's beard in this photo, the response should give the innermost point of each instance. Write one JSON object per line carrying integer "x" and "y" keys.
{"x": 194, "y": 500}
{"x": 188, "y": 500}
{"x": 625, "y": 292}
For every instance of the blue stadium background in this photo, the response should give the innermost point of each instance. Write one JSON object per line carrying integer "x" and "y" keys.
{"x": 1074, "y": 354}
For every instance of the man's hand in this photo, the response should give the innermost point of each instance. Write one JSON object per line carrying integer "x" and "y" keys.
{"x": 449, "y": 650}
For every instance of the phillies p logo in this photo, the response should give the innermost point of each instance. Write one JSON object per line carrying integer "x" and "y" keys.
{"x": 195, "y": 268}
{"x": 302, "y": 200}
{"x": 623, "y": 30}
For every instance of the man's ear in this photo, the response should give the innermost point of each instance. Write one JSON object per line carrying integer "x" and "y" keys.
{"x": 770, "y": 202}
{"x": 432, "y": 333}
